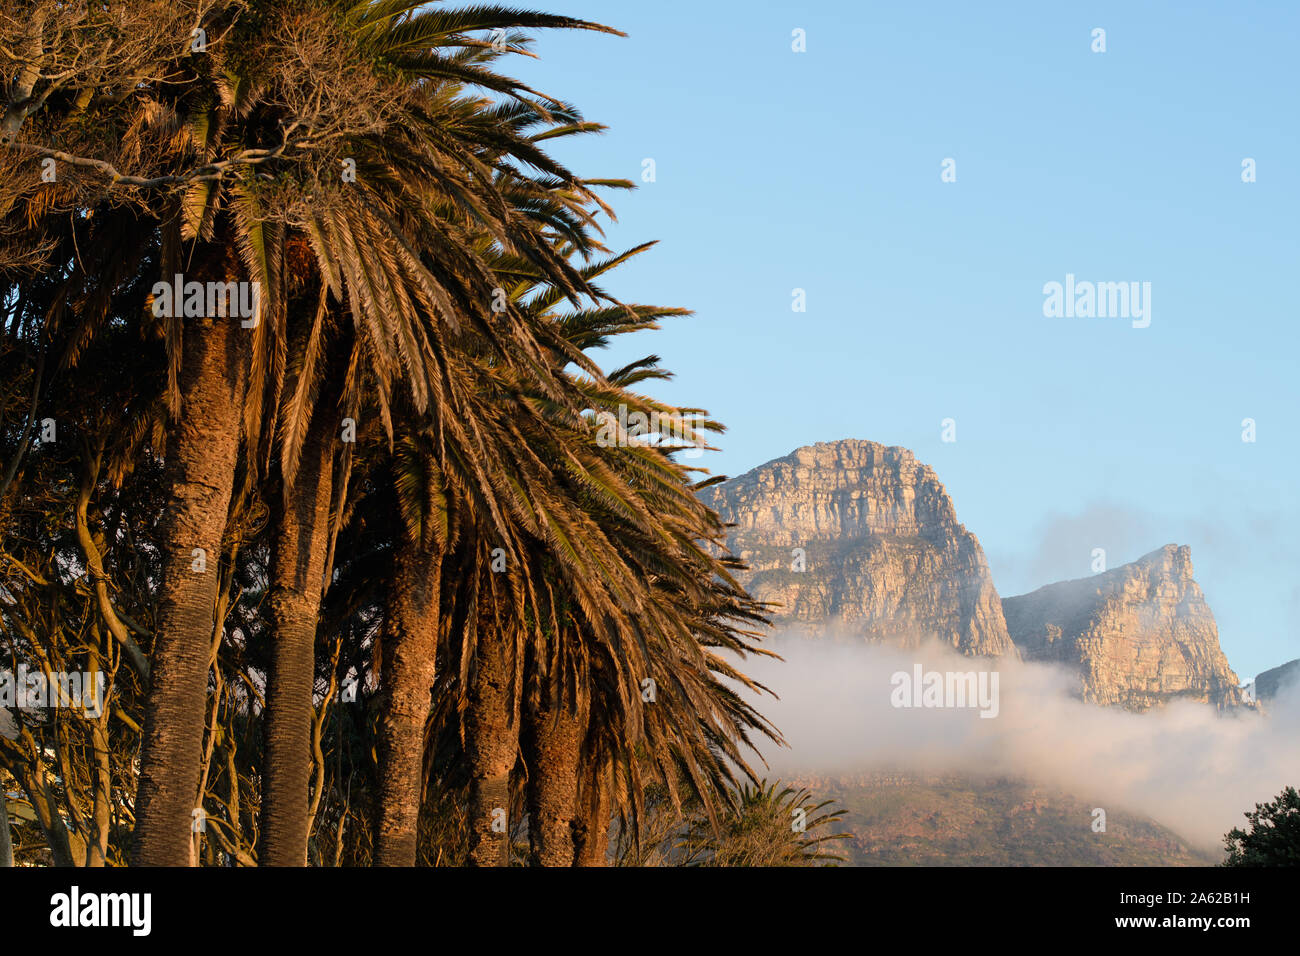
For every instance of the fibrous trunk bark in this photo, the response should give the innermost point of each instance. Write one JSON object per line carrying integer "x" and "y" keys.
{"x": 492, "y": 742}
{"x": 552, "y": 738}
{"x": 297, "y": 583}
{"x": 410, "y": 649}
{"x": 201, "y": 457}
{"x": 591, "y": 829}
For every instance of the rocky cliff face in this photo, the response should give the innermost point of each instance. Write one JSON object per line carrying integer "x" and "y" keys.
{"x": 1275, "y": 679}
{"x": 1138, "y": 636}
{"x": 861, "y": 540}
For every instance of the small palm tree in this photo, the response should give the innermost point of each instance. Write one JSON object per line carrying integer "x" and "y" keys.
{"x": 766, "y": 827}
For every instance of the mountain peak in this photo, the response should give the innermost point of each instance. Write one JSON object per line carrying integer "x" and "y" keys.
{"x": 860, "y": 538}
{"x": 857, "y": 538}
{"x": 1138, "y": 635}
{"x": 852, "y": 447}
{"x": 1175, "y": 560}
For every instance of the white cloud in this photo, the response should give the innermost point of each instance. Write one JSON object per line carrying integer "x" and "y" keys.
{"x": 1184, "y": 765}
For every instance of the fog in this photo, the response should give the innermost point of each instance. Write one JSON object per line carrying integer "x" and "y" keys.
{"x": 1185, "y": 765}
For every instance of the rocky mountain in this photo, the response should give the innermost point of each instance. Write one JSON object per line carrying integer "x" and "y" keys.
{"x": 861, "y": 540}
{"x": 858, "y": 540}
{"x": 1271, "y": 681}
{"x": 1137, "y": 636}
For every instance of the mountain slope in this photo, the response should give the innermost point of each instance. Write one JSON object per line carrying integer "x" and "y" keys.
{"x": 1274, "y": 679}
{"x": 901, "y": 819}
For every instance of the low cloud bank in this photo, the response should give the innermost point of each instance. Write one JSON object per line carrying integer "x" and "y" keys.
{"x": 1185, "y": 765}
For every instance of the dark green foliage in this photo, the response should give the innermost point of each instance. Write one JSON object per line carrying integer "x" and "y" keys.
{"x": 1273, "y": 837}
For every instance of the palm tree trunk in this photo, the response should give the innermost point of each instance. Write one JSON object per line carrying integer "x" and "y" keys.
{"x": 297, "y": 583}
{"x": 410, "y": 656}
{"x": 201, "y": 458}
{"x": 552, "y": 742}
{"x": 591, "y": 829}
{"x": 6, "y": 843}
{"x": 492, "y": 741}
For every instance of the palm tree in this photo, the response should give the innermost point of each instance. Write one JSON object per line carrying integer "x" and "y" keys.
{"x": 610, "y": 583}
{"x": 375, "y": 302}
{"x": 522, "y": 214}
{"x": 411, "y": 630}
{"x": 300, "y": 529}
{"x": 765, "y": 827}
{"x": 554, "y": 724}
{"x": 235, "y": 153}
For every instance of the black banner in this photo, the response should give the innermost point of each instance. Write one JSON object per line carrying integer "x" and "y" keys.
{"x": 350, "y": 907}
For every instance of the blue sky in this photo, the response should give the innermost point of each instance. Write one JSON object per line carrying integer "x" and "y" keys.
{"x": 777, "y": 170}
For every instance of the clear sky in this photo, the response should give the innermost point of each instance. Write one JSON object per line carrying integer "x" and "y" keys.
{"x": 821, "y": 171}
